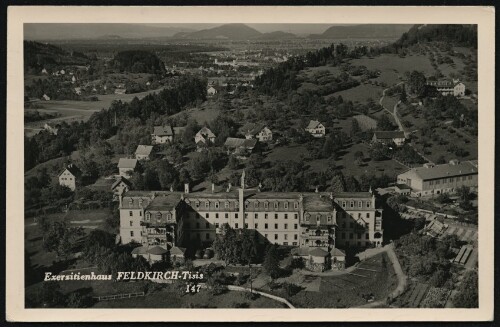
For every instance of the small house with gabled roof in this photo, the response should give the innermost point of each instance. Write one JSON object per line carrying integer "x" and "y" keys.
{"x": 70, "y": 177}
{"x": 316, "y": 129}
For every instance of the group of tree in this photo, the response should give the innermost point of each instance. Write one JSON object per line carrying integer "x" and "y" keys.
{"x": 237, "y": 246}
{"x": 138, "y": 61}
{"x": 58, "y": 237}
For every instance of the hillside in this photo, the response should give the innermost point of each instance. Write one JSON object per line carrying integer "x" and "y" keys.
{"x": 278, "y": 35}
{"x": 363, "y": 31}
{"x": 227, "y": 31}
{"x": 136, "y": 61}
{"x": 460, "y": 35}
{"x": 39, "y": 55}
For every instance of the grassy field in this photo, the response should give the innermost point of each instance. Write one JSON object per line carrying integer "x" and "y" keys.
{"x": 393, "y": 64}
{"x": 171, "y": 299}
{"x": 376, "y": 276}
{"x": 361, "y": 93}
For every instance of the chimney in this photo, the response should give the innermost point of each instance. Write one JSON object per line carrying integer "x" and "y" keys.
{"x": 186, "y": 188}
{"x": 331, "y": 195}
{"x": 229, "y": 187}
{"x": 213, "y": 187}
{"x": 171, "y": 188}
{"x": 316, "y": 190}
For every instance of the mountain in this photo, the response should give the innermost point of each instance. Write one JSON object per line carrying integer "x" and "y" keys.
{"x": 52, "y": 31}
{"x": 463, "y": 35}
{"x": 226, "y": 31}
{"x": 278, "y": 35}
{"x": 38, "y": 56}
{"x": 363, "y": 31}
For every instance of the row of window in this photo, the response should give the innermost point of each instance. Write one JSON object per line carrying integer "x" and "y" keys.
{"x": 344, "y": 214}
{"x": 256, "y": 204}
{"x": 256, "y": 215}
{"x": 275, "y": 237}
{"x": 450, "y": 180}
{"x": 65, "y": 179}
{"x": 131, "y": 213}
{"x": 351, "y": 236}
{"x": 236, "y": 225}
{"x": 352, "y": 204}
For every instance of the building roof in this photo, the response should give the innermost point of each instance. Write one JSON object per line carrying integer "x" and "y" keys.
{"x": 337, "y": 253}
{"x": 389, "y": 135}
{"x": 157, "y": 250}
{"x": 179, "y": 130}
{"x": 233, "y": 142}
{"x": 163, "y": 131}
{"x": 355, "y": 195}
{"x": 206, "y": 132}
{"x": 318, "y": 252}
{"x": 313, "y": 124}
{"x": 144, "y": 150}
{"x": 317, "y": 202}
{"x": 127, "y": 163}
{"x": 74, "y": 170}
{"x": 444, "y": 170}
{"x": 177, "y": 250}
{"x": 403, "y": 187}
{"x": 164, "y": 202}
{"x": 140, "y": 250}
{"x": 119, "y": 180}
{"x": 103, "y": 184}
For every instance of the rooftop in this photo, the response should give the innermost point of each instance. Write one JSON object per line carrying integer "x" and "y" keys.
{"x": 127, "y": 163}
{"x": 119, "y": 180}
{"x": 164, "y": 201}
{"x": 313, "y": 124}
{"x": 390, "y": 135}
{"x": 144, "y": 150}
{"x": 445, "y": 170}
{"x": 163, "y": 131}
{"x": 317, "y": 202}
{"x": 233, "y": 142}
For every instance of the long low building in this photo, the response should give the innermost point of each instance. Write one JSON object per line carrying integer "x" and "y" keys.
{"x": 436, "y": 179}
{"x": 306, "y": 220}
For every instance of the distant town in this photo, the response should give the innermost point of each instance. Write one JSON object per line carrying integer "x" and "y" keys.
{"x": 291, "y": 171}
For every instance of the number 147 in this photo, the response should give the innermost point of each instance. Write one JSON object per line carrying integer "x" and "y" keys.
{"x": 192, "y": 288}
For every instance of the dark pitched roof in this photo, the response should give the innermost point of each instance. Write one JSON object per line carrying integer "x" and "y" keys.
{"x": 140, "y": 250}
{"x": 74, "y": 170}
{"x": 337, "y": 252}
{"x": 233, "y": 142}
{"x": 177, "y": 251}
{"x": 318, "y": 252}
{"x": 381, "y": 135}
{"x": 157, "y": 250}
{"x": 313, "y": 124}
{"x": 163, "y": 131}
{"x": 120, "y": 180}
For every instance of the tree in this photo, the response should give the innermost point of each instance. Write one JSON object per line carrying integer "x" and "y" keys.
{"x": 417, "y": 83}
{"x": 271, "y": 262}
{"x": 355, "y": 129}
{"x": 467, "y": 292}
{"x": 385, "y": 124}
{"x": 359, "y": 157}
{"x": 50, "y": 295}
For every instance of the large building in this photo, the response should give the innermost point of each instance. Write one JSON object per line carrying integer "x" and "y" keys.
{"x": 307, "y": 220}
{"x": 436, "y": 179}
{"x": 447, "y": 87}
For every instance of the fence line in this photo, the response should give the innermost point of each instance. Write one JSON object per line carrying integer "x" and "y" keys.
{"x": 118, "y": 296}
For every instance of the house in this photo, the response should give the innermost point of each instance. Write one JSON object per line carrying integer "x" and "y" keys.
{"x": 402, "y": 189}
{"x": 53, "y": 129}
{"x": 126, "y": 166}
{"x": 78, "y": 90}
{"x": 62, "y": 72}
{"x": 70, "y": 177}
{"x": 447, "y": 87}
{"x": 204, "y": 136}
{"x": 120, "y": 186}
{"x": 435, "y": 228}
{"x": 143, "y": 152}
{"x": 45, "y": 97}
{"x": 44, "y": 71}
{"x": 433, "y": 179}
{"x": 120, "y": 91}
{"x": 262, "y": 133}
{"x": 241, "y": 147}
{"x": 316, "y": 129}
{"x": 387, "y": 137}
{"x": 319, "y": 226}
{"x": 211, "y": 91}
{"x": 162, "y": 134}
{"x": 73, "y": 79}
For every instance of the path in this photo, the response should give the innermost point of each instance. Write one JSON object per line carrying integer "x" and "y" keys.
{"x": 402, "y": 278}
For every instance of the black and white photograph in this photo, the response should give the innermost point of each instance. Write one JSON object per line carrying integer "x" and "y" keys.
{"x": 241, "y": 165}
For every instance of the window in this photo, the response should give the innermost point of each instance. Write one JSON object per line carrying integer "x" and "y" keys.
{"x": 360, "y": 204}
{"x": 367, "y": 236}
{"x": 226, "y": 215}
{"x": 226, "y": 204}
{"x": 437, "y": 182}
{"x": 131, "y": 202}
{"x": 431, "y": 182}
{"x": 294, "y": 243}
{"x": 246, "y": 225}
{"x": 285, "y": 243}
{"x": 286, "y": 236}
{"x": 286, "y": 226}
{"x": 265, "y": 226}
{"x": 359, "y": 236}
{"x": 256, "y": 204}
{"x": 246, "y": 215}
{"x": 207, "y": 204}
{"x": 451, "y": 180}
{"x": 275, "y": 216}
{"x": 266, "y": 215}
{"x": 343, "y": 225}
{"x": 131, "y": 223}
{"x": 359, "y": 214}
{"x": 130, "y": 213}
{"x": 207, "y": 225}
{"x": 367, "y": 226}
{"x": 236, "y": 225}
{"x": 236, "y": 215}
{"x": 207, "y": 236}
{"x": 329, "y": 218}
{"x": 351, "y": 236}
{"x": 275, "y": 205}
{"x": 256, "y": 215}
{"x": 368, "y": 204}
{"x": 216, "y": 215}
{"x": 463, "y": 178}
{"x": 236, "y": 204}
{"x": 352, "y": 204}
{"x": 197, "y": 204}
{"x": 295, "y": 236}
{"x": 286, "y": 216}
{"x": 266, "y": 205}
{"x": 318, "y": 218}
{"x": 207, "y": 215}
{"x": 256, "y": 225}
{"x": 285, "y": 205}
{"x": 343, "y": 204}
{"x": 296, "y": 205}
{"x": 275, "y": 236}
{"x": 216, "y": 205}
{"x": 343, "y": 236}
{"x": 246, "y": 205}
{"x": 296, "y": 216}
{"x": 275, "y": 226}
{"x": 140, "y": 213}
{"x": 131, "y": 233}
{"x": 216, "y": 225}
{"x": 295, "y": 226}
{"x": 307, "y": 218}
{"x": 470, "y": 178}
{"x": 148, "y": 216}
{"x": 265, "y": 235}
{"x": 367, "y": 215}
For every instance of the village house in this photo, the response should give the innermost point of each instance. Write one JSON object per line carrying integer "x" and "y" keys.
{"x": 387, "y": 137}
{"x": 143, "y": 152}
{"x": 120, "y": 91}
{"x": 162, "y": 135}
{"x": 316, "y": 129}
{"x": 44, "y": 71}
{"x": 261, "y": 133}
{"x": 70, "y": 177}
{"x": 45, "y": 97}
{"x": 433, "y": 179}
{"x": 120, "y": 186}
{"x": 53, "y": 129}
{"x": 126, "y": 167}
{"x": 240, "y": 147}
{"x": 78, "y": 90}
{"x": 211, "y": 91}
{"x": 73, "y": 79}
{"x": 447, "y": 87}
{"x": 204, "y": 137}
{"x": 317, "y": 224}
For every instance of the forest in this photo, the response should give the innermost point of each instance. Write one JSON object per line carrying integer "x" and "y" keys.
{"x": 137, "y": 61}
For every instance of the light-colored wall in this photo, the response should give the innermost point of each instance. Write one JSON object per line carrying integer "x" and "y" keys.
{"x": 125, "y": 227}
{"x": 67, "y": 179}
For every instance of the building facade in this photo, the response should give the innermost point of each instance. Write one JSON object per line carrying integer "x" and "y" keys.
{"x": 447, "y": 87}
{"x": 316, "y": 129}
{"x": 433, "y": 179}
{"x": 162, "y": 135}
{"x": 69, "y": 177}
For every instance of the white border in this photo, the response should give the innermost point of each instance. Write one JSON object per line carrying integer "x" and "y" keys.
{"x": 483, "y": 16}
